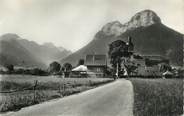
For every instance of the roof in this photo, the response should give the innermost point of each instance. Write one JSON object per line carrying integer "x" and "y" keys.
{"x": 80, "y": 68}
{"x": 155, "y": 57}
{"x": 97, "y": 60}
{"x": 167, "y": 73}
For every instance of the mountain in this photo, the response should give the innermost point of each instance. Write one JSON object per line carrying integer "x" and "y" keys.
{"x": 149, "y": 36}
{"x": 12, "y": 52}
{"x": 47, "y": 52}
{"x": 22, "y": 52}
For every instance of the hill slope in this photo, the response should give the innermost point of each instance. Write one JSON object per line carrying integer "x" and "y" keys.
{"x": 12, "y": 52}
{"x": 17, "y": 51}
{"x": 47, "y": 52}
{"x": 149, "y": 36}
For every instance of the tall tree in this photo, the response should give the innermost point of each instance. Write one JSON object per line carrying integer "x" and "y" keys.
{"x": 117, "y": 51}
{"x": 10, "y": 67}
{"x": 54, "y": 67}
{"x": 67, "y": 69}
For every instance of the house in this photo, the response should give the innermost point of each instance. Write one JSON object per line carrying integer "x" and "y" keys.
{"x": 146, "y": 65}
{"x": 153, "y": 64}
{"x": 140, "y": 63}
{"x": 137, "y": 61}
{"x": 96, "y": 63}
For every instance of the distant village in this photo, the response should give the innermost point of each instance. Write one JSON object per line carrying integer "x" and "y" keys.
{"x": 124, "y": 62}
{"x": 133, "y": 65}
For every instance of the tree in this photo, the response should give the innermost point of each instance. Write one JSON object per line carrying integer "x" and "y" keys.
{"x": 37, "y": 71}
{"x": 165, "y": 67}
{"x": 10, "y": 67}
{"x": 118, "y": 50}
{"x": 81, "y": 62}
{"x": 54, "y": 67}
{"x": 108, "y": 71}
{"x": 130, "y": 68}
{"x": 67, "y": 69}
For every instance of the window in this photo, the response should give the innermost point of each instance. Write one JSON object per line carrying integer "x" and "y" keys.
{"x": 98, "y": 69}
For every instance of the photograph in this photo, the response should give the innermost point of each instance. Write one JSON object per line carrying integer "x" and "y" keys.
{"x": 91, "y": 58}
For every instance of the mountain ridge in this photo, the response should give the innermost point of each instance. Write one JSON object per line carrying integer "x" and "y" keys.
{"x": 40, "y": 54}
{"x": 141, "y": 19}
{"x": 149, "y": 36}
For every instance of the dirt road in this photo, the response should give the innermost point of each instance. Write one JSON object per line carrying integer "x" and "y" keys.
{"x": 114, "y": 99}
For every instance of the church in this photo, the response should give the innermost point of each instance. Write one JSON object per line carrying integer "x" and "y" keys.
{"x": 145, "y": 65}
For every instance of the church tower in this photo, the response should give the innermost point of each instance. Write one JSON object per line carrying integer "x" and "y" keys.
{"x": 130, "y": 44}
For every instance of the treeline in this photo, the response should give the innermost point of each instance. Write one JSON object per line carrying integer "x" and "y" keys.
{"x": 33, "y": 71}
{"x": 54, "y": 68}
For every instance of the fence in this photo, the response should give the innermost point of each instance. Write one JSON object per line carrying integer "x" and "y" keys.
{"x": 18, "y": 90}
{"x": 34, "y": 88}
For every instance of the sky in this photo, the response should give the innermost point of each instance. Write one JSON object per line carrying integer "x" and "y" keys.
{"x": 73, "y": 23}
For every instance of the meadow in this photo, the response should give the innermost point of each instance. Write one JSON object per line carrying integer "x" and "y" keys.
{"x": 19, "y": 91}
{"x": 158, "y": 97}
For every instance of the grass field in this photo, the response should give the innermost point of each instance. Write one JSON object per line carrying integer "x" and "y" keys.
{"x": 48, "y": 88}
{"x": 158, "y": 97}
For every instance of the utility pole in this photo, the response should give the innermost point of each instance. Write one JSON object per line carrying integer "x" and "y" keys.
{"x": 34, "y": 89}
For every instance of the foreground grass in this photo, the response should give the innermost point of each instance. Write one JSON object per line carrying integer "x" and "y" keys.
{"x": 158, "y": 97}
{"x": 45, "y": 90}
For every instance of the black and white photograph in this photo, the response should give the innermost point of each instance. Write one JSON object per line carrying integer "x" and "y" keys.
{"x": 91, "y": 57}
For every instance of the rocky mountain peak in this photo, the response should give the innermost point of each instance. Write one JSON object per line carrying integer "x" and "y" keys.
{"x": 144, "y": 18}
{"x": 112, "y": 28}
{"x": 141, "y": 19}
